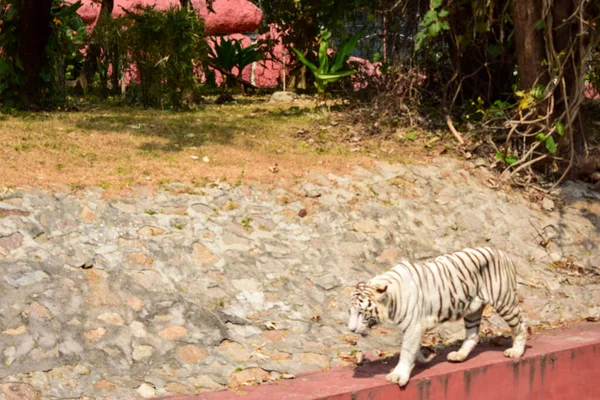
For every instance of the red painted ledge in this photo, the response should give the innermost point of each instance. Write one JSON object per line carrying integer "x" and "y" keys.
{"x": 558, "y": 364}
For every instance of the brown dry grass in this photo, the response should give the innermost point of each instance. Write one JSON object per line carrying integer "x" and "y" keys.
{"x": 117, "y": 147}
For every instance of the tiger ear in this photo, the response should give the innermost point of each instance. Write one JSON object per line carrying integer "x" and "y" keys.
{"x": 380, "y": 287}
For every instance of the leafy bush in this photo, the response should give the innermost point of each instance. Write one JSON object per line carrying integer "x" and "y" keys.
{"x": 166, "y": 47}
{"x": 227, "y": 54}
{"x": 110, "y": 40}
{"x": 328, "y": 72}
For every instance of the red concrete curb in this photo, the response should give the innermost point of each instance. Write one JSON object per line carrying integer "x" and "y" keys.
{"x": 559, "y": 364}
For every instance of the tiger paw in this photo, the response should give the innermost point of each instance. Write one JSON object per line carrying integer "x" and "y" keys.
{"x": 400, "y": 379}
{"x": 455, "y": 356}
{"x": 513, "y": 353}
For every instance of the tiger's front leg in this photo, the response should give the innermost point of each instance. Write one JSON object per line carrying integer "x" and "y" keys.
{"x": 411, "y": 345}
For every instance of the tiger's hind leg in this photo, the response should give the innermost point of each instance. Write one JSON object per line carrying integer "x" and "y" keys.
{"x": 514, "y": 318}
{"x": 472, "y": 323}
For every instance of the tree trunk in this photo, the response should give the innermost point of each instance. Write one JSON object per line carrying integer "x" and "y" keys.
{"x": 34, "y": 32}
{"x": 186, "y": 4}
{"x": 529, "y": 43}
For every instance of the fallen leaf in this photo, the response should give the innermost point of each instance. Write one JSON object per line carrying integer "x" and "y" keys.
{"x": 315, "y": 318}
{"x": 350, "y": 339}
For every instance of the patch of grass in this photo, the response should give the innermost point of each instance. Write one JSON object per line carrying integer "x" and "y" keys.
{"x": 115, "y": 146}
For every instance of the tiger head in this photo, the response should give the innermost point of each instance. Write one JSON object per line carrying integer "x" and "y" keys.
{"x": 368, "y": 306}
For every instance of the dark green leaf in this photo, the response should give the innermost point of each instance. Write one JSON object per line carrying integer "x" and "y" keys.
{"x": 344, "y": 53}
{"x": 538, "y": 91}
{"x": 494, "y": 50}
{"x": 540, "y": 24}
{"x": 304, "y": 61}
{"x": 323, "y": 57}
{"x": 430, "y": 16}
{"x": 434, "y": 29}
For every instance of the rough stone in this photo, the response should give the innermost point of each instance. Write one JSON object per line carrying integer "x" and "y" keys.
{"x": 191, "y": 354}
{"x": 283, "y": 97}
{"x": 234, "y": 351}
{"x": 111, "y": 319}
{"x": 11, "y": 242}
{"x": 95, "y": 334}
{"x": 176, "y": 388}
{"x": 141, "y": 352}
{"x": 313, "y": 360}
{"x": 173, "y": 333}
{"x": 250, "y": 375}
{"x": 135, "y": 303}
{"x": 149, "y": 231}
{"x": 146, "y": 390}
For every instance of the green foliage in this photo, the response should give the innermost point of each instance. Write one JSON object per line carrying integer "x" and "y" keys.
{"x": 11, "y": 69}
{"x": 510, "y": 160}
{"x": 63, "y": 50}
{"x": 433, "y": 23}
{"x": 227, "y": 54}
{"x": 166, "y": 47}
{"x": 328, "y": 72}
{"x": 64, "y": 45}
{"x": 110, "y": 39}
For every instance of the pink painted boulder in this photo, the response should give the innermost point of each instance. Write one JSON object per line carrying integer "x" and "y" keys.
{"x": 230, "y": 16}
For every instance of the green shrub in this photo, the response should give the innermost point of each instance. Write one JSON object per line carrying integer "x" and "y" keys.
{"x": 166, "y": 47}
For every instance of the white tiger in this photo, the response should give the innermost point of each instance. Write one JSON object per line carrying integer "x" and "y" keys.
{"x": 418, "y": 297}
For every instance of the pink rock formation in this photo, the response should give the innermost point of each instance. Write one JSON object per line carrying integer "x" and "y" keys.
{"x": 230, "y": 16}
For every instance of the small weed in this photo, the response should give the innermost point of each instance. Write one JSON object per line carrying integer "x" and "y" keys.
{"x": 246, "y": 223}
{"x": 411, "y": 135}
{"x": 150, "y": 212}
{"x": 178, "y": 226}
{"x": 22, "y": 147}
{"x": 120, "y": 170}
{"x": 60, "y": 167}
{"x": 239, "y": 369}
{"x": 283, "y": 200}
